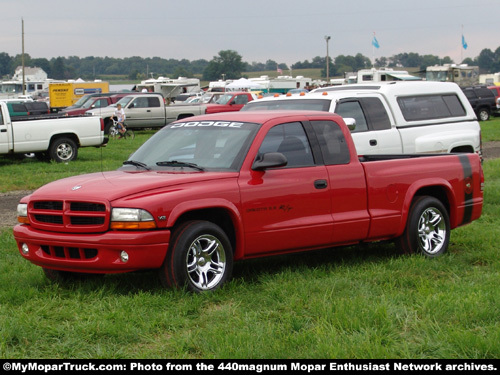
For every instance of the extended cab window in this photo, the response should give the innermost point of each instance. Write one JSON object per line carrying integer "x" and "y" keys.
{"x": 290, "y": 139}
{"x": 430, "y": 107}
{"x": 332, "y": 142}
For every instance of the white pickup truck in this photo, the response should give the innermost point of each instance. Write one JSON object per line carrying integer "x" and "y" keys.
{"x": 52, "y": 138}
{"x": 394, "y": 117}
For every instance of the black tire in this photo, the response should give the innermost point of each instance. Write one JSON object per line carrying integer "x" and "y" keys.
{"x": 427, "y": 230}
{"x": 63, "y": 150}
{"x": 108, "y": 123}
{"x": 129, "y": 134}
{"x": 200, "y": 258}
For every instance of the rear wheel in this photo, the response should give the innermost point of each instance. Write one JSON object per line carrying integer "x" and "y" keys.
{"x": 428, "y": 228}
{"x": 200, "y": 257}
{"x": 63, "y": 150}
{"x": 484, "y": 114}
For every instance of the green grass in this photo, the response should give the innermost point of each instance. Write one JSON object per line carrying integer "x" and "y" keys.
{"x": 491, "y": 129}
{"x": 354, "y": 302}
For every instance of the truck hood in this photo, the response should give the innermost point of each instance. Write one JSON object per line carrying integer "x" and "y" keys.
{"x": 118, "y": 184}
{"x": 102, "y": 112}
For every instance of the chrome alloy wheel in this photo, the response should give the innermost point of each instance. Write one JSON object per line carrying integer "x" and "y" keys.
{"x": 431, "y": 230}
{"x": 64, "y": 151}
{"x": 206, "y": 262}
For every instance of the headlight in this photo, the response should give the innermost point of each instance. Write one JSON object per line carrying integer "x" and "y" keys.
{"x": 22, "y": 213}
{"x": 131, "y": 219}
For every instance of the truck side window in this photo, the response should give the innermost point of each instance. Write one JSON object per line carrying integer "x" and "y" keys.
{"x": 1, "y": 117}
{"x": 352, "y": 109}
{"x": 290, "y": 139}
{"x": 332, "y": 142}
{"x": 241, "y": 99}
{"x": 140, "y": 103}
{"x": 379, "y": 120}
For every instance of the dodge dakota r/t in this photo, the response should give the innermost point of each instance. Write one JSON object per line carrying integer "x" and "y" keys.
{"x": 207, "y": 191}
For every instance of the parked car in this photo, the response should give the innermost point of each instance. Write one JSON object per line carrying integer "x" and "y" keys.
{"x": 482, "y": 101}
{"x": 496, "y": 91}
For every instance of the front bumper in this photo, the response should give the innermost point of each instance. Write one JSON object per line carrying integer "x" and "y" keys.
{"x": 93, "y": 253}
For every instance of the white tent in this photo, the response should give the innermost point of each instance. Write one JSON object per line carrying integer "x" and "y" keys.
{"x": 243, "y": 84}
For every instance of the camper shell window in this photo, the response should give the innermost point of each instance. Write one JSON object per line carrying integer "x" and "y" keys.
{"x": 430, "y": 107}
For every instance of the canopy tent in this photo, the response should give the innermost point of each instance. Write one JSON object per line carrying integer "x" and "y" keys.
{"x": 243, "y": 84}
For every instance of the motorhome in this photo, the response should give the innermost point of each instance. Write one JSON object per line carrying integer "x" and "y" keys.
{"x": 282, "y": 84}
{"x": 463, "y": 74}
{"x": 383, "y": 75}
{"x": 169, "y": 87}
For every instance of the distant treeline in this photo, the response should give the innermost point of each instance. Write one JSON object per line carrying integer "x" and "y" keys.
{"x": 140, "y": 68}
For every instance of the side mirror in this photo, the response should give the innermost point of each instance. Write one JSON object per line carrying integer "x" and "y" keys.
{"x": 351, "y": 123}
{"x": 269, "y": 160}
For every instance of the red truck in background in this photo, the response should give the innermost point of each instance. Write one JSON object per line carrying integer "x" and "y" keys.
{"x": 93, "y": 102}
{"x": 207, "y": 191}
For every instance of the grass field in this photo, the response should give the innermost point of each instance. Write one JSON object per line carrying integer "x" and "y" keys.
{"x": 355, "y": 302}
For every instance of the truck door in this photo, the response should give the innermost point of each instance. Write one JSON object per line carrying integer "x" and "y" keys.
{"x": 145, "y": 111}
{"x": 347, "y": 186}
{"x": 4, "y": 134}
{"x": 374, "y": 133}
{"x": 289, "y": 207}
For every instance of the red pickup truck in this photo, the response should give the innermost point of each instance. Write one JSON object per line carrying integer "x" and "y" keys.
{"x": 210, "y": 190}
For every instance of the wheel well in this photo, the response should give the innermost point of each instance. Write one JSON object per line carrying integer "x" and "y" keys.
{"x": 184, "y": 115}
{"x": 463, "y": 149}
{"x": 436, "y": 192}
{"x": 71, "y": 136}
{"x": 218, "y": 216}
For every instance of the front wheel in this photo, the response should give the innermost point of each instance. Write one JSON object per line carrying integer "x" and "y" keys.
{"x": 200, "y": 257}
{"x": 427, "y": 230}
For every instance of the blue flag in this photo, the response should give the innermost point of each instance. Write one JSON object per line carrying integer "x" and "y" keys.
{"x": 375, "y": 42}
{"x": 464, "y": 43}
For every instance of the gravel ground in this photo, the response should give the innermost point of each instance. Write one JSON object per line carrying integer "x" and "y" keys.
{"x": 8, "y": 201}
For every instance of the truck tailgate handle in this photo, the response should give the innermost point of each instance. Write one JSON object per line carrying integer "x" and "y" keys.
{"x": 373, "y": 142}
{"x": 320, "y": 184}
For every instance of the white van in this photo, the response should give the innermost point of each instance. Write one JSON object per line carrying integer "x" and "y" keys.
{"x": 394, "y": 117}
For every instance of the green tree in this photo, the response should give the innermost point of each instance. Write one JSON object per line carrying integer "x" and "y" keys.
{"x": 227, "y": 64}
{"x": 5, "y": 64}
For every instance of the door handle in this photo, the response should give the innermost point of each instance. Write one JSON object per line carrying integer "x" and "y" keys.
{"x": 373, "y": 142}
{"x": 320, "y": 184}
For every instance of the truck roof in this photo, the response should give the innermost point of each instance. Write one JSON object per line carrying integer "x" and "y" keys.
{"x": 259, "y": 117}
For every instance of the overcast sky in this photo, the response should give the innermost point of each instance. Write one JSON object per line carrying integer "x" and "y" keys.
{"x": 286, "y": 31}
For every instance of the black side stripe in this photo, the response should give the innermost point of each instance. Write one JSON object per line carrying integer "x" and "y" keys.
{"x": 467, "y": 169}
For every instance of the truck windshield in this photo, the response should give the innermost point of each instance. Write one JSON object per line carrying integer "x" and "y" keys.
{"x": 197, "y": 146}
{"x": 224, "y": 99}
{"x": 124, "y": 101}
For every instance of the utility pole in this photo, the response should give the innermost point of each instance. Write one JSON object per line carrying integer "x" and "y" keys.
{"x": 22, "y": 56}
{"x": 327, "y": 38}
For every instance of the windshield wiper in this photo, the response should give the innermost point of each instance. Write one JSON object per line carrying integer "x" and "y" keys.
{"x": 175, "y": 163}
{"x": 136, "y": 164}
